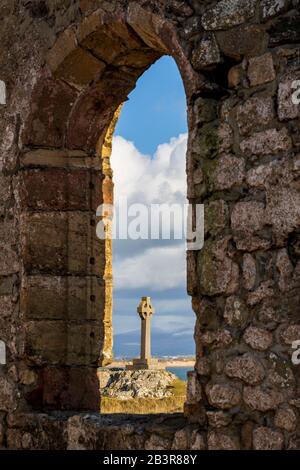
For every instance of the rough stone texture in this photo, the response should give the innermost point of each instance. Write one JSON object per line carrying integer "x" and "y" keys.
{"x": 266, "y": 439}
{"x": 261, "y": 70}
{"x": 237, "y": 59}
{"x": 137, "y": 384}
{"x": 246, "y": 368}
{"x": 258, "y": 338}
{"x": 207, "y": 53}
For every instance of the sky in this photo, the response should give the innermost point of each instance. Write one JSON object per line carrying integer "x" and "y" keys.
{"x": 148, "y": 161}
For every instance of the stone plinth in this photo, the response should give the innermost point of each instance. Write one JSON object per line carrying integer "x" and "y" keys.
{"x": 145, "y": 364}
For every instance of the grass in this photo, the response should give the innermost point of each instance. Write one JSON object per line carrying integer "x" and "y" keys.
{"x": 170, "y": 404}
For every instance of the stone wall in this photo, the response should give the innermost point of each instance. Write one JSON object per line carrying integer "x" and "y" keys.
{"x": 65, "y": 68}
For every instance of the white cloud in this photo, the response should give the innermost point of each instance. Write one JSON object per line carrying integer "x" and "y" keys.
{"x": 155, "y": 269}
{"x": 142, "y": 179}
{"x": 148, "y": 180}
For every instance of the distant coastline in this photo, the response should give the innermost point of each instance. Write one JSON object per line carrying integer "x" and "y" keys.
{"x": 165, "y": 361}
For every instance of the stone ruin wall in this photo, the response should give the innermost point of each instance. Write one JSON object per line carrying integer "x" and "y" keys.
{"x": 66, "y": 66}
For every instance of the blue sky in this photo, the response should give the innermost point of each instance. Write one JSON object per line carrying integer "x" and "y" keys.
{"x": 156, "y": 110}
{"x": 148, "y": 161}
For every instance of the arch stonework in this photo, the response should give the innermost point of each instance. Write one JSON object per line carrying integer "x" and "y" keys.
{"x": 67, "y": 67}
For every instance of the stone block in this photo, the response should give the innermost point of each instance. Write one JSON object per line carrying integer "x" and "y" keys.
{"x": 243, "y": 41}
{"x": 246, "y": 368}
{"x": 229, "y": 172}
{"x": 236, "y": 312}
{"x": 7, "y": 394}
{"x": 9, "y": 260}
{"x": 255, "y": 113}
{"x": 258, "y": 338}
{"x": 257, "y": 398}
{"x": 271, "y": 8}
{"x": 261, "y": 70}
{"x": 217, "y": 272}
{"x": 80, "y": 68}
{"x": 66, "y": 190}
{"x": 286, "y": 108}
{"x": 63, "y": 298}
{"x": 228, "y": 13}
{"x": 62, "y": 342}
{"x": 223, "y": 396}
{"x": 286, "y": 419}
{"x": 194, "y": 393}
{"x": 61, "y": 243}
{"x": 249, "y": 271}
{"x": 267, "y": 439}
{"x": 221, "y": 440}
{"x": 207, "y": 53}
{"x": 52, "y": 101}
{"x": 247, "y": 222}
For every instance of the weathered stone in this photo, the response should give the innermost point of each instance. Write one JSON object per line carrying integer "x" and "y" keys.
{"x": 282, "y": 211}
{"x": 7, "y": 395}
{"x": 9, "y": 261}
{"x": 248, "y": 41}
{"x": 269, "y": 142}
{"x": 194, "y": 393}
{"x": 207, "y": 53}
{"x": 44, "y": 298}
{"x": 286, "y": 418}
{"x": 217, "y": 272}
{"x": 285, "y": 30}
{"x": 249, "y": 271}
{"x": 261, "y": 70}
{"x": 48, "y": 118}
{"x": 228, "y": 13}
{"x": 254, "y": 113}
{"x": 181, "y": 8}
{"x": 216, "y": 339}
{"x": 285, "y": 268}
{"x": 266, "y": 439}
{"x": 207, "y": 144}
{"x": 76, "y": 190}
{"x": 258, "y": 177}
{"x": 229, "y": 172}
{"x": 218, "y": 440}
{"x": 204, "y": 110}
{"x": 222, "y": 395}
{"x": 57, "y": 342}
{"x": 258, "y": 338}
{"x": 225, "y": 137}
{"x": 216, "y": 217}
{"x": 47, "y": 249}
{"x": 245, "y": 367}
{"x": 264, "y": 291}
{"x": 218, "y": 419}
{"x": 197, "y": 441}
{"x": 236, "y": 312}
{"x": 247, "y": 220}
{"x": 290, "y": 333}
{"x": 287, "y": 109}
{"x": 271, "y": 8}
{"x": 235, "y": 76}
{"x": 262, "y": 400}
{"x": 203, "y": 366}
{"x": 5, "y": 193}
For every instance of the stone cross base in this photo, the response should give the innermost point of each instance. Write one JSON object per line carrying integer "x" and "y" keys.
{"x": 138, "y": 364}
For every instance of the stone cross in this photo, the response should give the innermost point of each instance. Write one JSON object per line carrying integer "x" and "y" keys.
{"x": 145, "y": 311}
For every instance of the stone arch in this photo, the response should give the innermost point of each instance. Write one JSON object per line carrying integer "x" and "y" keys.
{"x": 66, "y": 289}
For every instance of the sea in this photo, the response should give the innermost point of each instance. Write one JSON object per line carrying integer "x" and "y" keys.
{"x": 180, "y": 372}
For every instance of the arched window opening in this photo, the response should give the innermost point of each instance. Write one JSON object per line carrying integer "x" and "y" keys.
{"x": 149, "y": 248}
